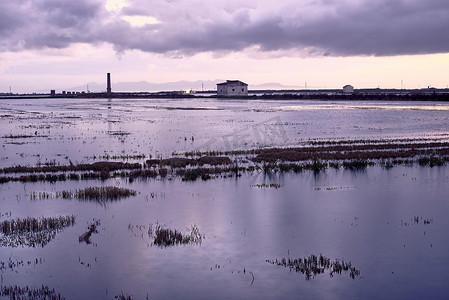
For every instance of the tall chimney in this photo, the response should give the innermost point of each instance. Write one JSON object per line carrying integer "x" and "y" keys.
{"x": 108, "y": 90}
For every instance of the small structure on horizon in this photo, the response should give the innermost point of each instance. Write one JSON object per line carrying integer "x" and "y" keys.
{"x": 232, "y": 88}
{"x": 108, "y": 89}
{"x": 348, "y": 89}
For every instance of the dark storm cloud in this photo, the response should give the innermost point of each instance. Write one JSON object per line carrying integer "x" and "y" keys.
{"x": 339, "y": 28}
{"x": 26, "y": 24}
{"x": 323, "y": 27}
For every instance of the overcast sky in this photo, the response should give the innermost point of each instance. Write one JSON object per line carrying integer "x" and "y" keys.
{"x": 327, "y": 43}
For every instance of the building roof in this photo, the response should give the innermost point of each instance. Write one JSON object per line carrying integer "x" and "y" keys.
{"x": 232, "y": 82}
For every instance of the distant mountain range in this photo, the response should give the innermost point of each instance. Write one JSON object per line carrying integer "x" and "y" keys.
{"x": 145, "y": 86}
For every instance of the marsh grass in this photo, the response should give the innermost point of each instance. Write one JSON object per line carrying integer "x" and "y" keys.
{"x": 30, "y": 293}
{"x": 41, "y": 195}
{"x": 124, "y": 157}
{"x": 32, "y": 232}
{"x": 357, "y": 164}
{"x": 190, "y": 175}
{"x": 101, "y": 193}
{"x": 13, "y": 265}
{"x": 180, "y": 162}
{"x": 123, "y": 296}
{"x": 23, "y": 136}
{"x": 101, "y": 166}
{"x": 431, "y": 161}
{"x": 350, "y": 155}
{"x": 314, "y": 265}
{"x": 165, "y": 237}
{"x": 265, "y": 185}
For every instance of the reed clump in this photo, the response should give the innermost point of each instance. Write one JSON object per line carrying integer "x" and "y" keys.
{"x": 32, "y": 232}
{"x": 30, "y": 293}
{"x": 314, "y": 265}
{"x": 357, "y": 164}
{"x": 123, "y": 296}
{"x": 173, "y": 162}
{"x": 266, "y": 185}
{"x": 100, "y": 193}
{"x": 431, "y": 161}
{"x": 214, "y": 160}
{"x": 165, "y": 237}
{"x": 190, "y": 175}
{"x": 36, "y": 224}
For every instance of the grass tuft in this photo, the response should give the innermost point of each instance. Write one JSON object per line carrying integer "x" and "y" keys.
{"x": 165, "y": 237}
{"x": 313, "y": 265}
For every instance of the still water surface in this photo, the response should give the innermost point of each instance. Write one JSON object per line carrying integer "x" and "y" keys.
{"x": 366, "y": 217}
{"x": 78, "y": 129}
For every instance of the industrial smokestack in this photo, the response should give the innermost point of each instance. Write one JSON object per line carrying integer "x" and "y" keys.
{"x": 108, "y": 89}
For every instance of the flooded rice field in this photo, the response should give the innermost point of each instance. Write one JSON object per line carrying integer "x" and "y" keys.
{"x": 223, "y": 199}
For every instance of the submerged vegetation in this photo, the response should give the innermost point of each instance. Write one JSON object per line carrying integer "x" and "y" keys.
{"x": 314, "y": 265}
{"x": 168, "y": 237}
{"x": 30, "y": 293}
{"x": 15, "y": 264}
{"x": 32, "y": 232}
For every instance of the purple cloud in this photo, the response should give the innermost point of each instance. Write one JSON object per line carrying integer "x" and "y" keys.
{"x": 323, "y": 27}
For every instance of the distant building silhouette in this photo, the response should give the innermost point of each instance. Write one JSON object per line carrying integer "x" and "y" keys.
{"x": 348, "y": 89}
{"x": 232, "y": 88}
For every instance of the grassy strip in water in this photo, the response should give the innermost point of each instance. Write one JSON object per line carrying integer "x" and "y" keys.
{"x": 316, "y": 158}
{"x": 331, "y": 147}
{"x": 30, "y": 293}
{"x": 313, "y": 265}
{"x": 84, "y": 176}
{"x": 205, "y": 173}
{"x": 192, "y": 174}
{"x": 340, "y": 153}
{"x": 101, "y": 166}
{"x": 180, "y": 162}
{"x": 32, "y": 232}
{"x": 124, "y": 157}
{"x": 35, "y": 224}
{"x": 23, "y": 136}
{"x": 265, "y": 185}
{"x": 168, "y": 237}
{"x": 102, "y": 193}
{"x": 98, "y": 193}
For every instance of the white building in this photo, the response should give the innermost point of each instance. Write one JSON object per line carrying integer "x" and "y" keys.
{"x": 232, "y": 88}
{"x": 348, "y": 89}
